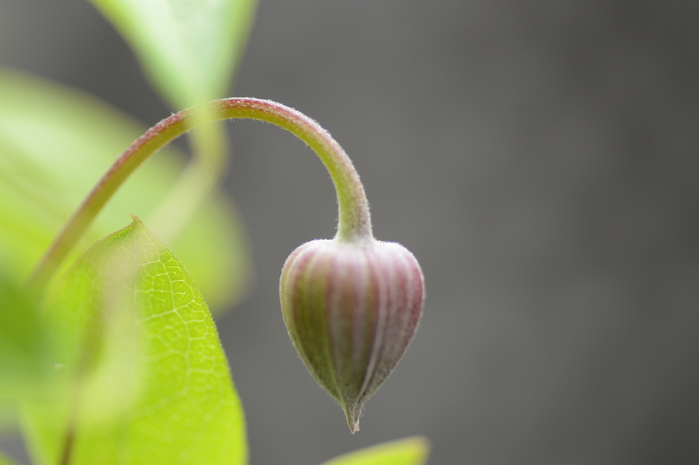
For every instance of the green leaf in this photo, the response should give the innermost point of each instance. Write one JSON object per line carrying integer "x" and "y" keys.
{"x": 148, "y": 380}
{"x": 187, "y": 48}
{"x": 408, "y": 451}
{"x": 55, "y": 143}
{"x": 25, "y": 345}
{"x": 7, "y": 415}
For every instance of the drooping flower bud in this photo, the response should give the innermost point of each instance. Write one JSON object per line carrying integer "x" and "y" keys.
{"x": 351, "y": 310}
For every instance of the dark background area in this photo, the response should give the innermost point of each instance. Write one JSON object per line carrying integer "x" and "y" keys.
{"x": 540, "y": 159}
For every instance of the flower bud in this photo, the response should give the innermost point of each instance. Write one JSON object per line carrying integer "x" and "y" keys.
{"x": 351, "y": 310}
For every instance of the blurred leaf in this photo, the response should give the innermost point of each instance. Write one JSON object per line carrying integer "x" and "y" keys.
{"x": 408, "y": 451}
{"x": 149, "y": 380}
{"x": 24, "y": 343}
{"x": 187, "y": 48}
{"x": 55, "y": 143}
{"x": 7, "y": 415}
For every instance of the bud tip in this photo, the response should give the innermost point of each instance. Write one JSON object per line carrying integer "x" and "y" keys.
{"x": 353, "y": 413}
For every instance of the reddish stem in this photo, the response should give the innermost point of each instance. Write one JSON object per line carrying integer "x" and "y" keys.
{"x": 354, "y": 223}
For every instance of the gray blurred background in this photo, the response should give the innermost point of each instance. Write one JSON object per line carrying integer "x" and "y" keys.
{"x": 540, "y": 158}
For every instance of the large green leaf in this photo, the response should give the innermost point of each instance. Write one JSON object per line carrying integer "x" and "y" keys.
{"x": 55, "y": 143}
{"x": 25, "y": 347}
{"x": 408, "y": 451}
{"x": 148, "y": 382}
{"x": 187, "y": 48}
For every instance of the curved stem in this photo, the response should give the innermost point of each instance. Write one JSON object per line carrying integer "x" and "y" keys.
{"x": 354, "y": 222}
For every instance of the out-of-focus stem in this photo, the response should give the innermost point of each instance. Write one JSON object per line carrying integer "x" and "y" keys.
{"x": 199, "y": 178}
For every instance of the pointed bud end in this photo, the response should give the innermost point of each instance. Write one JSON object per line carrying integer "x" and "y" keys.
{"x": 352, "y": 413}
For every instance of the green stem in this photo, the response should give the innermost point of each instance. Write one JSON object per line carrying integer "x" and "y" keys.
{"x": 195, "y": 183}
{"x": 354, "y": 222}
